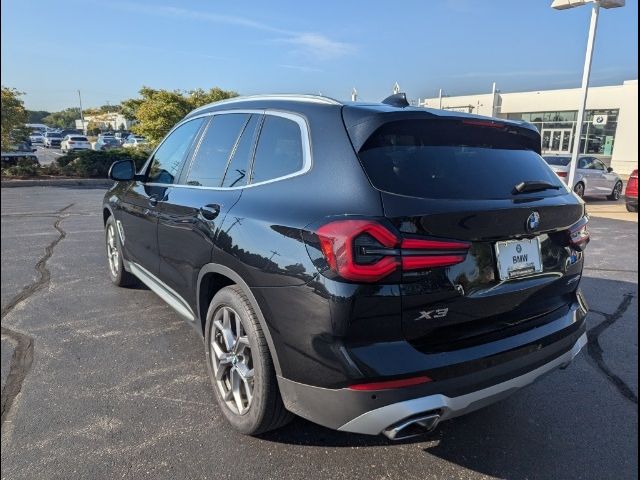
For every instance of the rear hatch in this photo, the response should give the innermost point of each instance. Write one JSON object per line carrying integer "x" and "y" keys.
{"x": 509, "y": 263}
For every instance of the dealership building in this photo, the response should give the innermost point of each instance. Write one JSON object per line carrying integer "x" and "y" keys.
{"x": 610, "y": 129}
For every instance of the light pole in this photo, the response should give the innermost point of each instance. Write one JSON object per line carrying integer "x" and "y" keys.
{"x": 595, "y": 9}
{"x": 84, "y": 130}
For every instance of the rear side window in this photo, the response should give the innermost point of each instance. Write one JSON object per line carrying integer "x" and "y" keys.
{"x": 236, "y": 174}
{"x": 558, "y": 161}
{"x": 210, "y": 161}
{"x": 453, "y": 159}
{"x": 169, "y": 157}
{"x": 279, "y": 149}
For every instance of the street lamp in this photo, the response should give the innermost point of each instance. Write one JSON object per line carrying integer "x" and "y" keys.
{"x": 595, "y": 8}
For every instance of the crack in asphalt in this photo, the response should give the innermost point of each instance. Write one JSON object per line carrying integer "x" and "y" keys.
{"x": 596, "y": 352}
{"x": 23, "y": 353}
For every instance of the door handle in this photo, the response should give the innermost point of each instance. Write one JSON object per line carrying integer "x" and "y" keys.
{"x": 153, "y": 201}
{"x": 210, "y": 212}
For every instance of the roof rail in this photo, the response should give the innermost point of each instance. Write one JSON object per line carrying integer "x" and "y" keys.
{"x": 287, "y": 97}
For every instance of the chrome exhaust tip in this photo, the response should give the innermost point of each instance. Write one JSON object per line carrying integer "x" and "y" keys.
{"x": 412, "y": 427}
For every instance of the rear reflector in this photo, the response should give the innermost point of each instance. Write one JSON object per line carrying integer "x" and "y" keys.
{"x": 390, "y": 384}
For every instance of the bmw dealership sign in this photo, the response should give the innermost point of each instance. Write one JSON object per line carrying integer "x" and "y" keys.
{"x": 600, "y": 120}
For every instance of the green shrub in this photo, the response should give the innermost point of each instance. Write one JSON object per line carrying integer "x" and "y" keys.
{"x": 90, "y": 163}
{"x": 25, "y": 167}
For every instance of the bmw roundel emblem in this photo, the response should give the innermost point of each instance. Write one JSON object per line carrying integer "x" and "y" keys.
{"x": 533, "y": 222}
{"x": 519, "y": 248}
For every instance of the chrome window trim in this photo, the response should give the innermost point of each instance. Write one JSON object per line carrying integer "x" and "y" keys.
{"x": 147, "y": 165}
{"x": 307, "y": 160}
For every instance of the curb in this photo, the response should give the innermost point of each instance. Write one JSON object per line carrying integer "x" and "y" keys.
{"x": 59, "y": 182}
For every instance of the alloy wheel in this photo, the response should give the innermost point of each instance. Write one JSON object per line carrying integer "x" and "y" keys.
{"x": 232, "y": 360}
{"x": 617, "y": 191}
{"x": 112, "y": 251}
{"x": 579, "y": 189}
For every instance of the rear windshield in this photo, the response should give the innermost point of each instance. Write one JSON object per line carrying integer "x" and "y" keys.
{"x": 558, "y": 161}
{"x": 78, "y": 139}
{"x": 454, "y": 159}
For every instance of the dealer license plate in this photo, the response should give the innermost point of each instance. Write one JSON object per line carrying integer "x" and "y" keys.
{"x": 518, "y": 258}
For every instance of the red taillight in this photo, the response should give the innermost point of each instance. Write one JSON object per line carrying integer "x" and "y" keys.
{"x": 389, "y": 384}
{"x": 561, "y": 174}
{"x": 420, "y": 244}
{"x": 337, "y": 243}
{"x": 579, "y": 235}
{"x": 366, "y": 251}
{"x": 419, "y": 253}
{"x": 71, "y": 143}
{"x": 417, "y": 263}
{"x": 632, "y": 185}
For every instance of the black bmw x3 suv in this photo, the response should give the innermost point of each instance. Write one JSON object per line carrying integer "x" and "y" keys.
{"x": 374, "y": 268}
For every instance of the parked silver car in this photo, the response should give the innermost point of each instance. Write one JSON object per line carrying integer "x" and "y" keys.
{"x": 592, "y": 176}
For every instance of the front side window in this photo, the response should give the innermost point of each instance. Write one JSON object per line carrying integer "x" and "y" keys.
{"x": 598, "y": 165}
{"x": 169, "y": 157}
{"x": 218, "y": 142}
{"x": 279, "y": 150}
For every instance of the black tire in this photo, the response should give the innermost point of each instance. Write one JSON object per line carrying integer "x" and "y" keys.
{"x": 632, "y": 208}
{"x": 118, "y": 275}
{"x": 579, "y": 189}
{"x": 616, "y": 193}
{"x": 266, "y": 410}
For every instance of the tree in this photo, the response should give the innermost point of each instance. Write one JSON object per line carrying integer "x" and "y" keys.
{"x": 63, "y": 119}
{"x": 157, "y": 111}
{"x": 14, "y": 116}
{"x": 93, "y": 128}
{"x": 36, "y": 116}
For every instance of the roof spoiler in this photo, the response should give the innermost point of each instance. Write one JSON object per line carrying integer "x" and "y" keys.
{"x": 397, "y": 100}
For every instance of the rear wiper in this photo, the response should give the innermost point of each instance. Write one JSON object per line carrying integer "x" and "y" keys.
{"x": 534, "y": 186}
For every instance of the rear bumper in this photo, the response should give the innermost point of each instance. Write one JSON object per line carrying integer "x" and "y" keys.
{"x": 463, "y": 386}
{"x": 375, "y": 421}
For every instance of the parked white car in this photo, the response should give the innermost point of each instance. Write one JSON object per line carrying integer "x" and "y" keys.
{"x": 134, "y": 141}
{"x": 36, "y": 137}
{"x": 592, "y": 176}
{"x": 75, "y": 142}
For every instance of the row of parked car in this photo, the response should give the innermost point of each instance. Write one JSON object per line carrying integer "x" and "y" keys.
{"x": 72, "y": 140}
{"x": 594, "y": 178}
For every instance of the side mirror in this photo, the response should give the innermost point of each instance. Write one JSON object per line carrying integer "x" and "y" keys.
{"x": 610, "y": 169}
{"x": 122, "y": 171}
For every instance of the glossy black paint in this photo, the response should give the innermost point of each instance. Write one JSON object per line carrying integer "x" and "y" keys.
{"x": 331, "y": 333}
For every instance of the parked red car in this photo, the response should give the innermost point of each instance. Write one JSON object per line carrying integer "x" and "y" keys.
{"x": 631, "y": 193}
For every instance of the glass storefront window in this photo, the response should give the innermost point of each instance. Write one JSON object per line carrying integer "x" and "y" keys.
{"x": 596, "y": 139}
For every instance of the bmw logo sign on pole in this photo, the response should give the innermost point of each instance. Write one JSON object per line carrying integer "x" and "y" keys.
{"x": 533, "y": 221}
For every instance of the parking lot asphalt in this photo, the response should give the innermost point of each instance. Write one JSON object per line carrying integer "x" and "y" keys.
{"x": 47, "y": 155}
{"x": 117, "y": 385}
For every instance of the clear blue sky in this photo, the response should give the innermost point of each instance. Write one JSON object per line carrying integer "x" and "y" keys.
{"x": 109, "y": 49}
